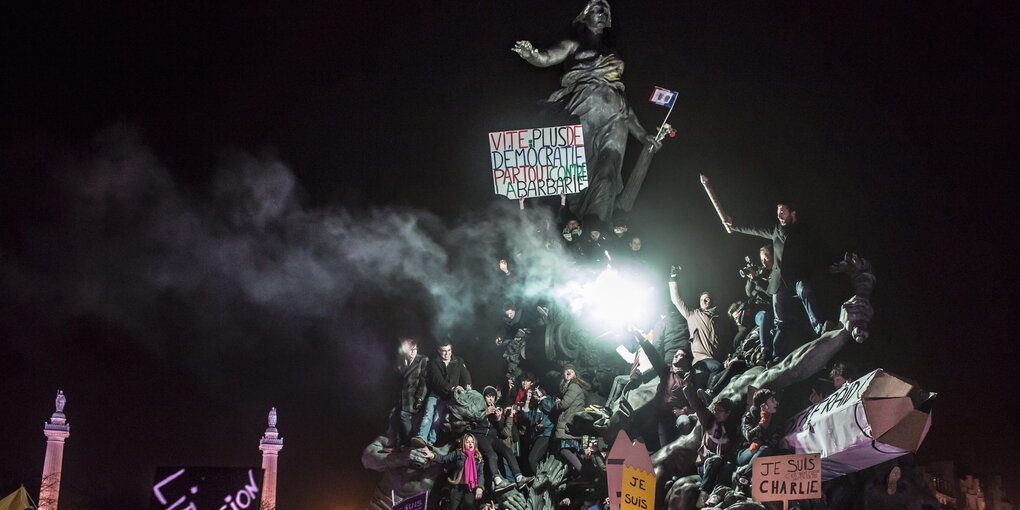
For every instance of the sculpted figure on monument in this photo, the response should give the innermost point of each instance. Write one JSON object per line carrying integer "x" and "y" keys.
{"x": 591, "y": 89}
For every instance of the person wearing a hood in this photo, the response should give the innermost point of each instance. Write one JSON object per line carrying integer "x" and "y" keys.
{"x": 711, "y": 338}
{"x": 466, "y": 475}
{"x": 486, "y": 431}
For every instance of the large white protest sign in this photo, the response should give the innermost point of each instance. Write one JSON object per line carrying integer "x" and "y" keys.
{"x": 538, "y": 162}
{"x": 866, "y": 422}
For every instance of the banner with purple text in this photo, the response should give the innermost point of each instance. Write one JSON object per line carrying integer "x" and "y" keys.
{"x": 207, "y": 488}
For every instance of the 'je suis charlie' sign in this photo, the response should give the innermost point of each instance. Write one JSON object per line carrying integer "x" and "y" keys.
{"x": 538, "y": 162}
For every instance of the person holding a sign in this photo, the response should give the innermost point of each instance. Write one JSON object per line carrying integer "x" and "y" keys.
{"x": 467, "y": 474}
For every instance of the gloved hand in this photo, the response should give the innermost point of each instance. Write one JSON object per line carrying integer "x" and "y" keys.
{"x": 674, "y": 271}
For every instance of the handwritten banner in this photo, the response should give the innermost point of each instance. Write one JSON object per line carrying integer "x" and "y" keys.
{"x": 787, "y": 477}
{"x": 206, "y": 488}
{"x": 538, "y": 162}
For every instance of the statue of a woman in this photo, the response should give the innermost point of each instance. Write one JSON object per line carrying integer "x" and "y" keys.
{"x": 591, "y": 89}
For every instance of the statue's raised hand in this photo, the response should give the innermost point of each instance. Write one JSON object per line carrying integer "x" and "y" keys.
{"x": 524, "y": 49}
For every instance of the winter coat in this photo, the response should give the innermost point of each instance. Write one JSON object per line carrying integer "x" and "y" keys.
{"x": 755, "y": 432}
{"x": 570, "y": 405}
{"x": 718, "y": 438}
{"x": 443, "y": 377}
{"x": 532, "y": 418}
{"x": 797, "y": 250}
{"x": 453, "y": 463}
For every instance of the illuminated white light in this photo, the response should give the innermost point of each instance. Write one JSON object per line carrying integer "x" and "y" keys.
{"x": 611, "y": 301}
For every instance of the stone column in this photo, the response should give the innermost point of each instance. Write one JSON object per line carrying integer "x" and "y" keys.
{"x": 56, "y": 431}
{"x": 271, "y": 444}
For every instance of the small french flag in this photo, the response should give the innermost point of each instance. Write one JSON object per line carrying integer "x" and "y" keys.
{"x": 663, "y": 97}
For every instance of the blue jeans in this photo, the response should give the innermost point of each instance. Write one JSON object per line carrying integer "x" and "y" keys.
{"x": 782, "y": 306}
{"x": 713, "y": 471}
{"x": 672, "y": 427}
{"x": 746, "y": 456}
{"x": 684, "y": 424}
{"x": 400, "y": 421}
{"x": 764, "y": 319}
{"x": 703, "y": 370}
{"x": 435, "y": 409}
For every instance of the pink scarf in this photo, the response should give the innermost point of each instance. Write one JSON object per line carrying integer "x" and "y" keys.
{"x": 470, "y": 473}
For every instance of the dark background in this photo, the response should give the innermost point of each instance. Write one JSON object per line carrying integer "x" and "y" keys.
{"x": 892, "y": 126}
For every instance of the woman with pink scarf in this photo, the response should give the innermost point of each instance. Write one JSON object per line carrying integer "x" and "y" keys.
{"x": 468, "y": 473}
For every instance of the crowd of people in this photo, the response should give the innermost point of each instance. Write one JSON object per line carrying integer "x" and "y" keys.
{"x": 693, "y": 353}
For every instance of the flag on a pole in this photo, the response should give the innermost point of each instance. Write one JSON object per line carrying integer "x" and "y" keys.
{"x": 663, "y": 97}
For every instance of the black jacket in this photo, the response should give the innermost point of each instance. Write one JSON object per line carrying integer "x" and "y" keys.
{"x": 797, "y": 250}
{"x": 755, "y": 432}
{"x": 442, "y": 378}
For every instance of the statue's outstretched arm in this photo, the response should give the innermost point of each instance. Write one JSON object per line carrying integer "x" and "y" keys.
{"x": 545, "y": 58}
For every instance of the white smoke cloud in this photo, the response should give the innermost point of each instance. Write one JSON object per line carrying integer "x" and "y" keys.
{"x": 133, "y": 235}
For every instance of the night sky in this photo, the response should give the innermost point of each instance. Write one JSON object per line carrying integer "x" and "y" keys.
{"x": 213, "y": 208}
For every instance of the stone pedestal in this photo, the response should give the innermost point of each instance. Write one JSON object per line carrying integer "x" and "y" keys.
{"x": 270, "y": 444}
{"x": 56, "y": 431}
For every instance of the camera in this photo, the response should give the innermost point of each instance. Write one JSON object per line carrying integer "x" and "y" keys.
{"x": 750, "y": 268}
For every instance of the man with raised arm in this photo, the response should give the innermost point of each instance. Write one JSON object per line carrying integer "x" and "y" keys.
{"x": 709, "y": 347}
{"x": 797, "y": 254}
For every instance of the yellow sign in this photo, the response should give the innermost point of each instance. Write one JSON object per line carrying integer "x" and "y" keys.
{"x": 787, "y": 477}
{"x": 638, "y": 489}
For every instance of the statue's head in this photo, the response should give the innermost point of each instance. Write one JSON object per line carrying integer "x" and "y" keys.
{"x": 596, "y": 15}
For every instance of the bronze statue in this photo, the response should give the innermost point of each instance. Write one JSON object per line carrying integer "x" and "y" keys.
{"x": 592, "y": 90}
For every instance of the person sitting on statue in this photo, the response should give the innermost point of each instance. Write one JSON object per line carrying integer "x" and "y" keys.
{"x": 711, "y": 339}
{"x": 446, "y": 374}
{"x": 572, "y": 402}
{"x": 798, "y": 255}
{"x": 675, "y": 414}
{"x": 465, "y": 470}
{"x": 746, "y": 349}
{"x": 640, "y": 363}
{"x": 633, "y": 253}
{"x": 720, "y": 438}
{"x": 486, "y": 432}
{"x": 411, "y": 368}
{"x": 592, "y": 90}
{"x": 760, "y": 430}
{"x": 616, "y": 239}
{"x": 840, "y": 374}
{"x": 762, "y": 433}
